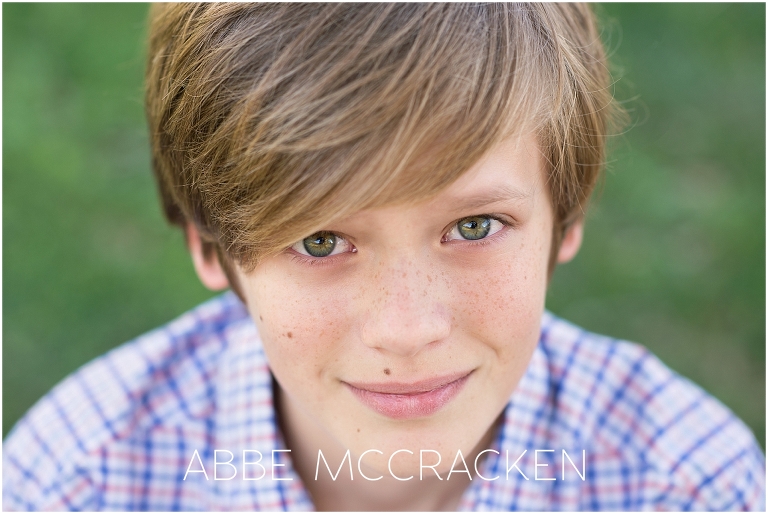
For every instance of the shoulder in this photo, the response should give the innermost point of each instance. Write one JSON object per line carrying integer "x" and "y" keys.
{"x": 665, "y": 441}
{"x": 88, "y": 427}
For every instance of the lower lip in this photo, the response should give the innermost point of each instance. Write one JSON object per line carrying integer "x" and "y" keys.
{"x": 408, "y": 406}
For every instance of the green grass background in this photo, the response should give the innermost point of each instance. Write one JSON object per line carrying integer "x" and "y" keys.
{"x": 674, "y": 252}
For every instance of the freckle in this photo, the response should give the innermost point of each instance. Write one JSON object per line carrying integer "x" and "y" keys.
{"x": 358, "y": 430}
{"x": 290, "y": 335}
{"x": 260, "y": 318}
{"x": 386, "y": 371}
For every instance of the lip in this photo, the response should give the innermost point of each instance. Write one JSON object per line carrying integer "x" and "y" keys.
{"x": 401, "y": 400}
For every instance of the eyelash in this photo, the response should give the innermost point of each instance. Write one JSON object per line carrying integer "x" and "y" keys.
{"x": 490, "y": 239}
{"x": 326, "y": 261}
{"x": 312, "y": 261}
{"x": 320, "y": 261}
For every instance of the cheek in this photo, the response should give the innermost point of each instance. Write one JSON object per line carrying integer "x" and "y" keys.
{"x": 501, "y": 302}
{"x": 299, "y": 327}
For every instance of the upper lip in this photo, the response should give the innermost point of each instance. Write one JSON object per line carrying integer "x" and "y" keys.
{"x": 412, "y": 388}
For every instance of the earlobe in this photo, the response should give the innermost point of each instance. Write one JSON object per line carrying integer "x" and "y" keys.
{"x": 571, "y": 242}
{"x": 208, "y": 268}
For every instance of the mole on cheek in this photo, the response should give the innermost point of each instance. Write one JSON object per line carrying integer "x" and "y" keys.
{"x": 386, "y": 371}
{"x": 289, "y": 334}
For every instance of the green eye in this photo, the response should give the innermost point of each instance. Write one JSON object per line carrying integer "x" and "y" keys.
{"x": 474, "y": 227}
{"x": 320, "y": 244}
{"x": 323, "y": 244}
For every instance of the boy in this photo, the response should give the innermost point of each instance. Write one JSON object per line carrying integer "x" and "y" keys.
{"x": 387, "y": 189}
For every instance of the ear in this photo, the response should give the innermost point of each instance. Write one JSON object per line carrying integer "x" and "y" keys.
{"x": 208, "y": 268}
{"x": 571, "y": 242}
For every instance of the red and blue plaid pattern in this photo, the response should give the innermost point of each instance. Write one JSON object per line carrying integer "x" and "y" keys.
{"x": 120, "y": 433}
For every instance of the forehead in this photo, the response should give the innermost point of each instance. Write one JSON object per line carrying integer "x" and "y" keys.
{"x": 510, "y": 173}
{"x": 513, "y": 169}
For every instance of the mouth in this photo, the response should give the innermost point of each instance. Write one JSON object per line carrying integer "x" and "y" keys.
{"x": 400, "y": 400}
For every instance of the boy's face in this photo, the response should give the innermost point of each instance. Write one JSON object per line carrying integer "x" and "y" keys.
{"x": 415, "y": 330}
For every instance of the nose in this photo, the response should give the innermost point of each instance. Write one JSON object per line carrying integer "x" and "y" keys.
{"x": 404, "y": 312}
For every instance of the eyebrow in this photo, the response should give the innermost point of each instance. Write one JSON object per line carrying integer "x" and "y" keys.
{"x": 474, "y": 201}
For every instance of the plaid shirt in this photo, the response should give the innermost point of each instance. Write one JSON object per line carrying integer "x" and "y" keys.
{"x": 120, "y": 434}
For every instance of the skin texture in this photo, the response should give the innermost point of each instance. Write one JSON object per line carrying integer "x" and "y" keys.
{"x": 403, "y": 299}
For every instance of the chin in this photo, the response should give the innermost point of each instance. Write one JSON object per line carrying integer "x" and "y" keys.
{"x": 405, "y": 464}
{"x": 430, "y": 446}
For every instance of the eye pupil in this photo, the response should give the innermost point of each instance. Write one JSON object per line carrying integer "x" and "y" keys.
{"x": 320, "y": 244}
{"x": 476, "y": 227}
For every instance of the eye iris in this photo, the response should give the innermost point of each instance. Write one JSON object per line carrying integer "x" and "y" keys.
{"x": 475, "y": 227}
{"x": 320, "y": 244}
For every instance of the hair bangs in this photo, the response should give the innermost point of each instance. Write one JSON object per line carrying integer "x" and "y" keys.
{"x": 408, "y": 112}
{"x": 270, "y": 121}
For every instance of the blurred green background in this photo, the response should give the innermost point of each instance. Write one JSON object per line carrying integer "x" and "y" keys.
{"x": 674, "y": 253}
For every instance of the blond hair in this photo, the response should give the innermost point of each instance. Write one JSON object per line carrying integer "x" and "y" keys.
{"x": 268, "y": 121}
